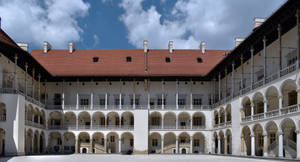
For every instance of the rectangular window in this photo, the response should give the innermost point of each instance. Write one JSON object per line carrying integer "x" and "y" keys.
{"x": 181, "y": 101}
{"x": 102, "y": 101}
{"x": 84, "y": 101}
{"x": 57, "y": 99}
{"x": 197, "y": 101}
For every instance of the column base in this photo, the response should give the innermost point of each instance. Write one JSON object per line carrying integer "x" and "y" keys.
{"x": 140, "y": 151}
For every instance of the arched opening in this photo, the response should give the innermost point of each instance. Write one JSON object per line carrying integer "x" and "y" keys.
{"x": 198, "y": 143}
{"x": 228, "y": 113}
{"x": 154, "y": 143}
{"x": 216, "y": 143}
{"x": 127, "y": 120}
{"x": 70, "y": 120}
{"x": 272, "y": 130}
{"x": 2, "y": 112}
{"x": 29, "y": 142}
{"x": 184, "y": 121}
{"x": 288, "y": 128}
{"x": 29, "y": 113}
{"x": 155, "y": 120}
{"x": 246, "y": 103}
{"x": 259, "y": 139}
{"x": 169, "y": 120}
{"x": 36, "y": 115}
{"x": 2, "y": 142}
{"x": 55, "y": 142}
{"x": 113, "y": 120}
{"x": 289, "y": 93}
{"x": 228, "y": 145}
{"x": 69, "y": 143}
{"x": 98, "y": 120}
{"x": 42, "y": 143}
{"x": 42, "y": 118}
{"x": 184, "y": 143}
{"x": 98, "y": 143}
{"x": 84, "y": 120}
{"x": 84, "y": 143}
{"x": 36, "y": 142}
{"x": 127, "y": 143}
{"x": 216, "y": 118}
{"x": 272, "y": 100}
{"x": 222, "y": 115}
{"x": 198, "y": 120}
{"x": 222, "y": 141}
{"x": 55, "y": 120}
{"x": 112, "y": 142}
{"x": 246, "y": 141}
{"x": 170, "y": 143}
{"x": 258, "y": 103}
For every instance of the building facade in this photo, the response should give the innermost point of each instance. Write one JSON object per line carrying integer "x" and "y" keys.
{"x": 244, "y": 101}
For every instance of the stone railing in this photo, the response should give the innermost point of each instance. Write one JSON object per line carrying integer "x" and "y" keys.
{"x": 259, "y": 83}
{"x": 274, "y": 113}
{"x": 33, "y": 124}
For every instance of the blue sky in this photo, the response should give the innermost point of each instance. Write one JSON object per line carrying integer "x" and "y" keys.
{"x": 121, "y": 24}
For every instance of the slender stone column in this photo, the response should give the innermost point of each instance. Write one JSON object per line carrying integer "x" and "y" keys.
{"x": 120, "y": 100}
{"x": 280, "y": 143}
{"x": 252, "y": 110}
{"x": 162, "y": 122}
{"x": 177, "y": 121}
{"x": 191, "y": 144}
{"x": 265, "y": 107}
{"x": 242, "y": 73}
{"x": 177, "y": 147}
{"x": 162, "y": 145}
{"x": 32, "y": 83}
{"x": 298, "y": 144}
{"x": 191, "y": 94}
{"x": 280, "y": 103}
{"x": 106, "y": 100}
{"x": 252, "y": 144}
{"x": 76, "y": 145}
{"x": 15, "y": 72}
{"x": 279, "y": 46}
{"x": 163, "y": 94}
{"x": 77, "y": 96}
{"x": 225, "y": 145}
{"x": 120, "y": 145}
{"x": 92, "y": 100}
{"x": 63, "y": 95}
{"x": 39, "y": 86}
{"x": 252, "y": 67}
{"x": 105, "y": 147}
{"x": 225, "y": 77}
{"x": 26, "y": 71}
{"x": 265, "y": 57}
{"x": 220, "y": 86}
{"x": 265, "y": 135}
{"x": 219, "y": 145}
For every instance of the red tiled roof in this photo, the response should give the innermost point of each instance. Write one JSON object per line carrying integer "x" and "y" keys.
{"x": 6, "y": 39}
{"x": 112, "y": 62}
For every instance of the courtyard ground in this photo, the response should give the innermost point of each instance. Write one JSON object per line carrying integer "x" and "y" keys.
{"x": 131, "y": 158}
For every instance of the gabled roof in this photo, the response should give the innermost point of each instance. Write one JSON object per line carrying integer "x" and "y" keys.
{"x": 4, "y": 38}
{"x": 112, "y": 62}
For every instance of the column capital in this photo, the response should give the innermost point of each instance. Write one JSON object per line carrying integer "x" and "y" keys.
{"x": 280, "y": 132}
{"x": 264, "y": 39}
{"x": 297, "y": 131}
{"x": 251, "y": 49}
{"x": 297, "y": 13}
{"x": 265, "y": 133}
{"x": 252, "y": 135}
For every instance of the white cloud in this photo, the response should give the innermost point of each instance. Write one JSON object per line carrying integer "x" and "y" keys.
{"x": 190, "y": 21}
{"x": 96, "y": 40}
{"x": 36, "y": 21}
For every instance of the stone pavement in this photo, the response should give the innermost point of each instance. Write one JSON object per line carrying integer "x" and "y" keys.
{"x": 130, "y": 158}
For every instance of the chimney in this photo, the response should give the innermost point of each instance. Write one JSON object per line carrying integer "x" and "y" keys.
{"x": 47, "y": 47}
{"x": 258, "y": 21}
{"x": 202, "y": 47}
{"x": 71, "y": 47}
{"x": 24, "y": 46}
{"x": 238, "y": 41}
{"x": 171, "y": 48}
{"x": 145, "y": 46}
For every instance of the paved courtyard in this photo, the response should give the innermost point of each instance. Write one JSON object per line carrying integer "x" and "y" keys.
{"x": 130, "y": 158}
